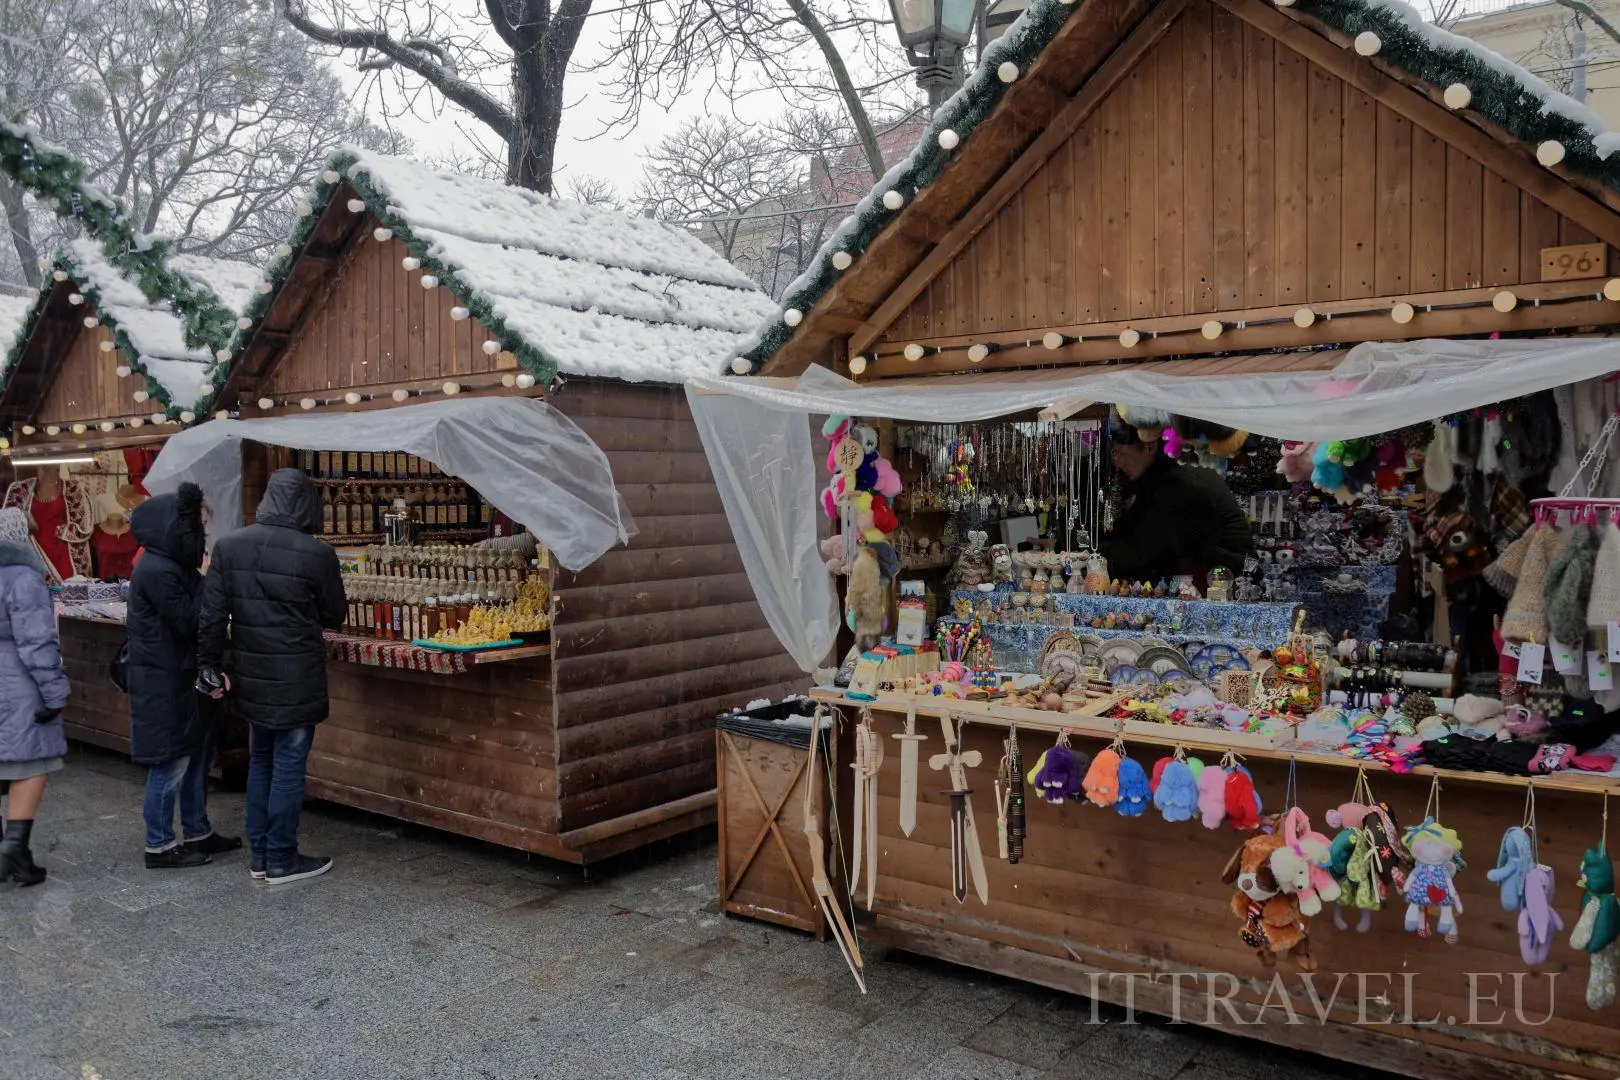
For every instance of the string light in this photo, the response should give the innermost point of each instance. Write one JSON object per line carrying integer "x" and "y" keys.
{"x": 222, "y": 355}
{"x": 401, "y": 394}
{"x": 187, "y": 416}
{"x": 792, "y": 316}
{"x": 1368, "y": 43}
{"x": 91, "y": 322}
{"x": 136, "y": 421}
{"x": 1052, "y": 340}
{"x": 140, "y": 396}
{"x": 329, "y": 176}
{"x": 1457, "y": 96}
{"x": 158, "y": 418}
{"x": 740, "y": 366}
{"x": 451, "y": 389}
{"x": 1504, "y": 301}
{"x": 283, "y": 250}
{"x": 459, "y": 314}
{"x": 59, "y": 275}
{"x": 1129, "y": 338}
{"x": 28, "y": 429}
{"x": 223, "y": 414}
{"x": 79, "y": 429}
{"x": 1211, "y": 329}
{"x": 304, "y": 209}
{"x": 509, "y": 380}
{"x": 1550, "y": 153}
{"x": 914, "y": 352}
{"x": 351, "y": 398}
{"x": 1007, "y": 71}
{"x": 107, "y": 425}
{"x": 893, "y": 200}
{"x": 978, "y": 353}
{"x": 267, "y": 403}
{"x": 429, "y": 281}
{"x": 1402, "y": 312}
{"x": 107, "y": 346}
{"x": 524, "y": 380}
{"x": 491, "y": 347}
{"x": 1611, "y": 289}
{"x": 949, "y": 139}
{"x": 411, "y": 262}
{"x": 244, "y": 323}
{"x": 75, "y": 299}
{"x": 264, "y": 288}
{"x": 1304, "y": 317}
{"x": 306, "y": 404}
{"x": 356, "y": 205}
{"x": 53, "y": 430}
{"x": 841, "y": 260}
{"x": 857, "y": 364}
{"x": 382, "y": 234}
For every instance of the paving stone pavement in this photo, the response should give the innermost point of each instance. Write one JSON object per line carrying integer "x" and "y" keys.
{"x": 424, "y": 956}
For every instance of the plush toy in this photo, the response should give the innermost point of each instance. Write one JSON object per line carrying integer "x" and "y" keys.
{"x": 1539, "y": 920}
{"x": 1102, "y": 779}
{"x": 1349, "y": 451}
{"x": 867, "y": 436}
{"x": 1326, "y": 474}
{"x": 866, "y": 473}
{"x": 1056, "y": 775}
{"x": 1242, "y": 801}
{"x": 1149, "y": 423}
{"x": 1597, "y": 931}
{"x": 1134, "y": 792}
{"x": 835, "y": 427}
{"x": 1361, "y": 888}
{"x": 1001, "y": 563}
{"x": 1301, "y": 864}
{"x": 863, "y": 598}
{"x": 1272, "y": 923}
{"x": 1296, "y": 462}
{"x": 1212, "y": 796}
{"x": 883, "y": 517}
{"x": 1177, "y": 793}
{"x": 832, "y": 553}
{"x": 1513, "y": 865}
{"x": 1521, "y": 723}
{"x": 1438, "y": 856}
{"x": 1348, "y": 815}
{"x": 888, "y": 481}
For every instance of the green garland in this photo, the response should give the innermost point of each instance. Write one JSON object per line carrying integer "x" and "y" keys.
{"x": 59, "y": 179}
{"x": 1497, "y": 96}
{"x": 533, "y": 359}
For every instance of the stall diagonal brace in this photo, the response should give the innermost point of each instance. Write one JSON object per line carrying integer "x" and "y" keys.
{"x": 770, "y": 828}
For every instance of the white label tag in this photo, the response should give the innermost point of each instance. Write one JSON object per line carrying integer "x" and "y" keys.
{"x": 1511, "y": 650}
{"x": 1613, "y": 640}
{"x": 1566, "y": 658}
{"x": 1531, "y": 655}
{"x": 1598, "y": 675}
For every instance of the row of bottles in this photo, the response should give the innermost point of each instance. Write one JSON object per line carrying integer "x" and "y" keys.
{"x": 400, "y": 610}
{"x": 365, "y": 465}
{"x": 445, "y": 562}
{"x": 428, "y": 510}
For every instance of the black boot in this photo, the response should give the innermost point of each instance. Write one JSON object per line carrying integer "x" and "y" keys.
{"x": 16, "y": 861}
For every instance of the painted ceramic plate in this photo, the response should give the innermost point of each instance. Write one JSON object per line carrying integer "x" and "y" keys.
{"x": 1119, "y": 652}
{"x": 1122, "y": 675}
{"x": 1145, "y": 677}
{"x": 1161, "y": 658}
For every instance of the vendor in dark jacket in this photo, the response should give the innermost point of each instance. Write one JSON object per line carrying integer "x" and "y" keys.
{"x": 171, "y": 726}
{"x": 1177, "y": 519}
{"x": 274, "y": 588}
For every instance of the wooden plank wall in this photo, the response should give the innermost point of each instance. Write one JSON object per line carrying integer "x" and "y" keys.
{"x": 96, "y": 713}
{"x": 372, "y": 324}
{"x": 84, "y": 385}
{"x": 1228, "y": 172}
{"x": 1139, "y": 894}
{"x": 656, "y": 638}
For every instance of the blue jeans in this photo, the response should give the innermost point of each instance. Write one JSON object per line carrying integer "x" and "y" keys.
{"x": 275, "y": 791}
{"x": 184, "y": 780}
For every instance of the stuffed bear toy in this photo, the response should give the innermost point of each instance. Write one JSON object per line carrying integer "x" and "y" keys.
{"x": 832, "y": 553}
{"x": 1272, "y": 923}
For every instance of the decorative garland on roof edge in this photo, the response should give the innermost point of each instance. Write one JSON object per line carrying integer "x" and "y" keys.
{"x": 534, "y": 361}
{"x": 58, "y": 178}
{"x": 1498, "y": 97}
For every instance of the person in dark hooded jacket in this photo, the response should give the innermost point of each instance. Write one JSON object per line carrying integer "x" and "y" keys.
{"x": 274, "y": 587}
{"x": 171, "y": 727}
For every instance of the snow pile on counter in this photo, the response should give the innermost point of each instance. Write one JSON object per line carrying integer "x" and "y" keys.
{"x": 602, "y": 293}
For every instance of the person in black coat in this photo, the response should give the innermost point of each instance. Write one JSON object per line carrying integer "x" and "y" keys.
{"x": 275, "y": 587}
{"x": 171, "y": 728}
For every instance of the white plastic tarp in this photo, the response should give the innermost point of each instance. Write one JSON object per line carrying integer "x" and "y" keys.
{"x": 759, "y": 445}
{"x": 530, "y": 462}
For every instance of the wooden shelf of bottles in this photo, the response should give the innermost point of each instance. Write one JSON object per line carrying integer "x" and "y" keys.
{"x": 358, "y": 487}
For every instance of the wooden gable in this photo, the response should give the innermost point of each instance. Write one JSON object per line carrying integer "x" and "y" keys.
{"x": 63, "y": 376}
{"x": 1223, "y": 162}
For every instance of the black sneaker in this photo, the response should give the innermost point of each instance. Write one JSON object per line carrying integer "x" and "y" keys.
{"x": 176, "y": 858}
{"x": 301, "y": 867}
{"x": 256, "y": 866}
{"x": 215, "y": 844}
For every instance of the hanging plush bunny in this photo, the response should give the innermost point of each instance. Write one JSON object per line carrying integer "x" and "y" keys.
{"x": 1513, "y": 863}
{"x": 1134, "y": 791}
{"x": 1212, "y": 796}
{"x": 1176, "y": 795}
{"x": 1597, "y": 931}
{"x": 1301, "y": 864}
{"x": 1102, "y": 779}
{"x": 1242, "y": 800}
{"x": 1437, "y": 854}
{"x": 1539, "y": 920}
{"x": 1056, "y": 776}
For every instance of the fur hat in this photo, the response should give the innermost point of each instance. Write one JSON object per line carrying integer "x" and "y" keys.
{"x": 1503, "y": 574}
{"x": 1569, "y": 584}
{"x": 1603, "y": 604}
{"x": 13, "y": 525}
{"x": 1526, "y": 617}
{"x": 1439, "y": 468}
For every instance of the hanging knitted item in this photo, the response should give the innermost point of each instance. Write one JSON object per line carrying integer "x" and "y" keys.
{"x": 1526, "y": 617}
{"x": 1569, "y": 584}
{"x": 1134, "y": 792}
{"x": 1603, "y": 603}
{"x": 1597, "y": 931}
{"x": 1503, "y": 574}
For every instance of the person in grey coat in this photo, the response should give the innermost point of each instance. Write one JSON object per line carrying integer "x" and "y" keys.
{"x": 33, "y": 691}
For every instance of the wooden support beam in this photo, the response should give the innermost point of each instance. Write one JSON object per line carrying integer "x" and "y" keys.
{"x": 1056, "y": 133}
{"x": 1512, "y": 162}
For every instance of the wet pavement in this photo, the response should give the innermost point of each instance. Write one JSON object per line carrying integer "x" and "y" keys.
{"x": 424, "y": 955}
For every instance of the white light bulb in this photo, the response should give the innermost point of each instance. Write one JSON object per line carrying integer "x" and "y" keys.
{"x": 187, "y": 416}
{"x": 792, "y": 316}
{"x": 429, "y": 281}
{"x": 160, "y": 418}
{"x": 267, "y": 403}
{"x": 841, "y": 260}
{"x": 304, "y": 209}
{"x": 205, "y": 387}
{"x": 1368, "y": 43}
{"x": 222, "y": 355}
{"x": 107, "y": 346}
{"x": 140, "y": 395}
{"x": 59, "y": 275}
{"x": 740, "y": 366}
{"x": 949, "y": 139}
{"x": 306, "y": 403}
{"x": 509, "y": 380}
{"x": 1284, "y": 3}
{"x": 107, "y": 425}
{"x": 524, "y": 380}
{"x": 264, "y": 288}
{"x": 1550, "y": 153}
{"x": 1007, "y": 71}
{"x": 1402, "y": 312}
{"x": 1505, "y": 301}
{"x": 451, "y": 389}
{"x": 1052, "y": 339}
{"x": 1457, "y": 96}
{"x": 330, "y": 176}
{"x": 53, "y": 430}
{"x": 1211, "y": 329}
{"x": 122, "y": 371}
{"x": 401, "y": 395}
{"x": 857, "y": 364}
{"x": 411, "y": 262}
{"x": 90, "y": 321}
{"x": 459, "y": 314}
{"x": 75, "y": 299}
{"x": 351, "y": 398}
{"x": 1611, "y": 289}
{"x": 28, "y": 429}
{"x": 356, "y": 205}
{"x": 491, "y": 347}
{"x": 79, "y": 429}
{"x": 1129, "y": 338}
{"x": 893, "y": 199}
{"x": 977, "y": 353}
{"x": 383, "y": 233}
{"x": 914, "y": 352}
{"x": 223, "y": 414}
{"x": 244, "y": 323}
{"x": 1304, "y": 317}
{"x": 283, "y": 250}
{"x": 136, "y": 421}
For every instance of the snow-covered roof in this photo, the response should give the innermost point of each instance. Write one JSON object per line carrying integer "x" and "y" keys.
{"x": 152, "y": 337}
{"x": 569, "y": 288}
{"x": 13, "y": 311}
{"x": 1500, "y": 93}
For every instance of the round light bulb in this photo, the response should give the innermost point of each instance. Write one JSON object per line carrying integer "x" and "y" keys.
{"x": 382, "y": 233}
{"x": 509, "y": 380}
{"x": 1304, "y": 317}
{"x": 1611, "y": 289}
{"x": 141, "y": 395}
{"x": 1284, "y": 3}
{"x": 1402, "y": 312}
{"x": 75, "y": 299}
{"x": 1550, "y": 153}
{"x": 1052, "y": 339}
{"x": 459, "y": 314}
{"x": 122, "y": 371}
{"x": 187, "y": 416}
{"x": 949, "y": 139}
{"x": 264, "y": 288}
{"x": 28, "y": 429}
{"x": 267, "y": 403}
{"x": 401, "y": 395}
{"x": 792, "y": 316}
{"x": 356, "y": 205}
{"x": 857, "y": 364}
{"x": 107, "y": 346}
{"x": 283, "y": 250}
{"x": 451, "y": 389}
{"x": 160, "y": 418}
{"x": 304, "y": 209}
{"x": 205, "y": 387}
{"x": 841, "y": 260}
{"x": 893, "y": 199}
{"x": 53, "y": 430}
{"x": 1007, "y": 71}
{"x": 59, "y": 275}
{"x": 107, "y": 425}
{"x": 223, "y": 414}
{"x": 411, "y": 262}
{"x": 307, "y": 403}
{"x": 1129, "y": 338}
{"x": 90, "y": 321}
{"x": 330, "y": 176}
{"x": 1368, "y": 43}
{"x": 740, "y": 366}
{"x": 1211, "y": 329}
{"x": 524, "y": 380}
{"x": 914, "y": 352}
{"x": 244, "y": 323}
{"x": 79, "y": 429}
{"x": 136, "y": 421}
{"x": 1457, "y": 96}
{"x": 429, "y": 281}
{"x": 1505, "y": 301}
{"x": 222, "y": 355}
{"x": 491, "y": 348}
{"x": 351, "y": 398}
{"x": 5, "y": 443}
{"x": 977, "y": 353}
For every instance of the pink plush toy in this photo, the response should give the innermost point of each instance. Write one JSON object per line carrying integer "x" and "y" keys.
{"x": 1350, "y": 815}
{"x": 1301, "y": 865}
{"x": 1212, "y": 796}
{"x": 832, "y": 553}
{"x": 888, "y": 481}
{"x": 1296, "y": 462}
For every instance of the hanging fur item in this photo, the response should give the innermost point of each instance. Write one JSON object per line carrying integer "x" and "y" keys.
{"x": 1526, "y": 617}
{"x": 864, "y": 599}
{"x": 1439, "y": 463}
{"x": 1569, "y": 584}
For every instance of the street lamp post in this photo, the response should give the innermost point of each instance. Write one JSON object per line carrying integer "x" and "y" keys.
{"x": 934, "y": 33}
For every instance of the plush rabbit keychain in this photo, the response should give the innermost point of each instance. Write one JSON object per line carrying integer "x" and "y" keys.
{"x": 1539, "y": 921}
{"x": 1437, "y": 854}
{"x": 1301, "y": 864}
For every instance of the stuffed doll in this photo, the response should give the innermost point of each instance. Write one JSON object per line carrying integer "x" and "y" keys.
{"x": 1272, "y": 923}
{"x": 1302, "y": 864}
{"x": 1597, "y": 931}
{"x": 1134, "y": 792}
{"x": 1345, "y": 846}
{"x": 1212, "y": 796}
{"x": 1056, "y": 775}
{"x": 1102, "y": 779}
{"x": 1242, "y": 801}
{"x": 1437, "y": 854}
{"x": 1538, "y": 920}
{"x": 1177, "y": 793}
{"x": 1295, "y": 464}
{"x": 1513, "y": 864}
{"x": 1361, "y": 887}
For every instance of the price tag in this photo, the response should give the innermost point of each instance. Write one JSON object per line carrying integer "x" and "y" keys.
{"x": 1612, "y": 638}
{"x": 1531, "y": 656}
{"x": 1566, "y": 658}
{"x": 1598, "y": 675}
{"x": 1511, "y": 650}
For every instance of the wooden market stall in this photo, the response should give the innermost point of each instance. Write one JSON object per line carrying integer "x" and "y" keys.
{"x": 406, "y": 283}
{"x": 1203, "y": 184}
{"x": 95, "y": 380}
